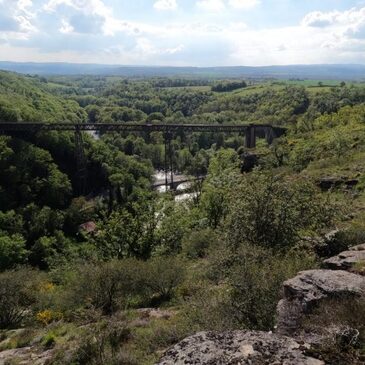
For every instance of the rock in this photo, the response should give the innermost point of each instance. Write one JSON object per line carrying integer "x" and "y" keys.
{"x": 304, "y": 292}
{"x": 238, "y": 347}
{"x": 25, "y": 356}
{"x": 346, "y": 260}
{"x": 358, "y": 248}
{"x": 328, "y": 183}
{"x": 155, "y": 313}
{"x": 88, "y": 227}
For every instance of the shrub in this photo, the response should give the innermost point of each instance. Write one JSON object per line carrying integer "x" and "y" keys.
{"x": 20, "y": 338}
{"x": 244, "y": 287}
{"x": 163, "y": 275}
{"x": 47, "y": 316}
{"x": 342, "y": 323}
{"x": 338, "y": 241}
{"x": 105, "y": 286}
{"x": 12, "y": 251}
{"x": 273, "y": 211}
{"x": 103, "y": 344}
{"x": 196, "y": 244}
{"x": 49, "y": 340}
{"x": 116, "y": 285}
{"x": 18, "y": 292}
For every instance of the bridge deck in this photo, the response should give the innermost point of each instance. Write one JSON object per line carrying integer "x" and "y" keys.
{"x": 129, "y": 127}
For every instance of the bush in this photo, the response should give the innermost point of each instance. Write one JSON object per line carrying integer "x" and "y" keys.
{"x": 102, "y": 344}
{"x": 49, "y": 340}
{"x": 273, "y": 211}
{"x": 18, "y": 292}
{"x": 108, "y": 286}
{"x": 163, "y": 275}
{"x": 342, "y": 323}
{"x": 244, "y": 287}
{"x": 12, "y": 251}
{"x": 196, "y": 244}
{"x": 116, "y": 285}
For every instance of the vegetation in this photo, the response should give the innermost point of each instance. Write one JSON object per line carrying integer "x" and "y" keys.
{"x": 79, "y": 268}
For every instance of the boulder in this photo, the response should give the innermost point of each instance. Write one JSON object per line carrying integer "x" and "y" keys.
{"x": 304, "y": 292}
{"x": 346, "y": 260}
{"x": 238, "y": 347}
{"x": 328, "y": 183}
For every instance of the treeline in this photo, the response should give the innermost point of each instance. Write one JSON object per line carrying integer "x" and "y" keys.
{"x": 228, "y": 86}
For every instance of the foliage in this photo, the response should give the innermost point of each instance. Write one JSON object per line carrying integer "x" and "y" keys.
{"x": 18, "y": 292}
{"x": 273, "y": 211}
{"x": 127, "y": 232}
{"x": 220, "y": 258}
{"x": 342, "y": 324}
{"x": 228, "y": 86}
{"x": 103, "y": 344}
{"x": 116, "y": 285}
{"x": 163, "y": 275}
{"x": 243, "y": 288}
{"x": 12, "y": 251}
{"x": 105, "y": 286}
{"x": 223, "y": 170}
{"x": 197, "y": 243}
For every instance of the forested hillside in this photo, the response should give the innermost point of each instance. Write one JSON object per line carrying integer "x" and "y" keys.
{"x": 77, "y": 272}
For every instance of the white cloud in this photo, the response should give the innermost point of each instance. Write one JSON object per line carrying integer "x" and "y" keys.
{"x": 165, "y": 5}
{"x": 349, "y": 18}
{"x": 66, "y": 28}
{"x": 211, "y": 5}
{"x": 175, "y": 50}
{"x": 243, "y": 4}
{"x": 319, "y": 19}
{"x": 321, "y": 37}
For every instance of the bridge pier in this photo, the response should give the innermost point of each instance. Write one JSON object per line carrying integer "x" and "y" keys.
{"x": 250, "y": 137}
{"x": 169, "y": 163}
{"x": 81, "y": 168}
{"x": 269, "y": 135}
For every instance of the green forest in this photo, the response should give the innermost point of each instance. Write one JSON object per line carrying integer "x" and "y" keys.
{"x": 120, "y": 272}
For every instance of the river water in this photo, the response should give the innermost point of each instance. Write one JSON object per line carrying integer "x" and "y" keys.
{"x": 159, "y": 178}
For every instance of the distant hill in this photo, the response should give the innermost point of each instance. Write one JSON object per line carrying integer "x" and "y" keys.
{"x": 323, "y": 72}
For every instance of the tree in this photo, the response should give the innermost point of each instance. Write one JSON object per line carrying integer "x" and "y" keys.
{"x": 222, "y": 173}
{"x": 13, "y": 251}
{"x": 273, "y": 211}
{"x": 127, "y": 232}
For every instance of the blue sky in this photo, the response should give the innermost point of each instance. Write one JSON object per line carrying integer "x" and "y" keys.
{"x": 183, "y": 32}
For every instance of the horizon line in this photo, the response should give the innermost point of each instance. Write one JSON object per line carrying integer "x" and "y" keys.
{"x": 172, "y": 66}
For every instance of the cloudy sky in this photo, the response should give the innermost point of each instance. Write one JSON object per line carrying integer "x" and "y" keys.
{"x": 183, "y": 32}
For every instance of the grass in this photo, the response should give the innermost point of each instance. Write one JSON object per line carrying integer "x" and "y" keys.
{"x": 359, "y": 268}
{"x": 350, "y": 166}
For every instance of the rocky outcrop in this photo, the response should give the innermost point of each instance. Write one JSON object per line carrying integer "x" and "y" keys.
{"x": 25, "y": 356}
{"x": 238, "y": 347}
{"x": 288, "y": 345}
{"x": 347, "y": 260}
{"x": 328, "y": 183}
{"x": 308, "y": 289}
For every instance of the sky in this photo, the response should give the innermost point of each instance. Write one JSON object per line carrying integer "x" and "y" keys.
{"x": 183, "y": 32}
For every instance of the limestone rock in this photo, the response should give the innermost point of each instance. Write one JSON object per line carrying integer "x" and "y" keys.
{"x": 308, "y": 289}
{"x": 238, "y": 347}
{"x": 346, "y": 260}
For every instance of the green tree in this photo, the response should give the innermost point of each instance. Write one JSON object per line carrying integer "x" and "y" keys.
{"x": 13, "y": 251}
{"x": 273, "y": 211}
{"x": 127, "y": 232}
